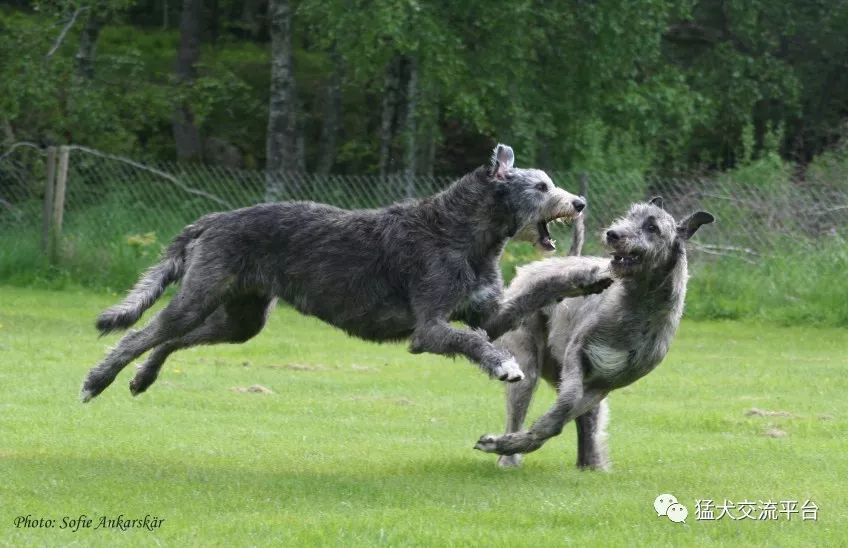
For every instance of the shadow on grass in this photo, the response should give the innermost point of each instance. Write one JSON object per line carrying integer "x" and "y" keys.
{"x": 97, "y": 482}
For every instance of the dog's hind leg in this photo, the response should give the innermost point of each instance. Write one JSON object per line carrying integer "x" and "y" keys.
{"x": 572, "y": 401}
{"x": 519, "y": 394}
{"x": 235, "y": 321}
{"x": 196, "y": 300}
{"x": 592, "y": 450}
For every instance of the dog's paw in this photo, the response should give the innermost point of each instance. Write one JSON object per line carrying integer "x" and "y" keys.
{"x": 508, "y": 371}
{"x": 509, "y": 444}
{"x": 487, "y": 443}
{"x": 603, "y": 466}
{"x": 510, "y": 461}
{"x": 596, "y": 286}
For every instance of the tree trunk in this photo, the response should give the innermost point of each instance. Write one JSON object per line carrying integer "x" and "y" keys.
{"x": 186, "y": 135}
{"x": 284, "y": 146}
{"x": 410, "y": 126}
{"x": 389, "y": 114}
{"x": 332, "y": 115}
{"x": 88, "y": 46}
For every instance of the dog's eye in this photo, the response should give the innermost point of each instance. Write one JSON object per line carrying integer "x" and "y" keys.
{"x": 541, "y": 187}
{"x": 652, "y": 228}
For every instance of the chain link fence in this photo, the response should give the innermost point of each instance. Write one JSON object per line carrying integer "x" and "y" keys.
{"x": 115, "y": 207}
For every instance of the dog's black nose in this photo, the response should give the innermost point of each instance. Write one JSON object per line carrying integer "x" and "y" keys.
{"x": 579, "y": 204}
{"x": 612, "y": 236}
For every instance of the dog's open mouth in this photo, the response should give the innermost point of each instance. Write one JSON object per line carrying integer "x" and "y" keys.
{"x": 545, "y": 242}
{"x": 624, "y": 260}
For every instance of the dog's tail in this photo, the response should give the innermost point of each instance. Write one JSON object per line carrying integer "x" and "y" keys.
{"x": 153, "y": 283}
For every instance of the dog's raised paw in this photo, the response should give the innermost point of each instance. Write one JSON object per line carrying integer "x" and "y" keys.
{"x": 508, "y": 371}
{"x": 487, "y": 443}
{"x": 597, "y": 286}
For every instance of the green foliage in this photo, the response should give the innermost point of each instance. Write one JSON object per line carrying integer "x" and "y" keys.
{"x": 616, "y": 85}
{"x": 831, "y": 166}
{"x": 769, "y": 171}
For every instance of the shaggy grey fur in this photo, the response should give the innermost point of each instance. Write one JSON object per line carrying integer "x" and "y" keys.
{"x": 589, "y": 346}
{"x": 403, "y": 271}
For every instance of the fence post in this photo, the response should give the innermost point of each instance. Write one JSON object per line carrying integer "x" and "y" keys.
{"x": 59, "y": 203}
{"x": 49, "y": 186}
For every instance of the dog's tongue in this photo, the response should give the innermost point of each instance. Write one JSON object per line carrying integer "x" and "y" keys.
{"x": 545, "y": 242}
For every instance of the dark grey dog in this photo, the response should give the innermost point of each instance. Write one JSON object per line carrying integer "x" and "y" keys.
{"x": 386, "y": 274}
{"x": 589, "y": 346}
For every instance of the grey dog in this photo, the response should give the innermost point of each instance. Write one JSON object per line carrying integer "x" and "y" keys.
{"x": 589, "y": 346}
{"x": 400, "y": 272}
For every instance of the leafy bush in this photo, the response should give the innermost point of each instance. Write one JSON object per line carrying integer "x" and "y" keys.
{"x": 831, "y": 167}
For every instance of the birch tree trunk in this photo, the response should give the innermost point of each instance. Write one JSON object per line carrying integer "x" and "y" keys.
{"x": 284, "y": 147}
{"x": 186, "y": 135}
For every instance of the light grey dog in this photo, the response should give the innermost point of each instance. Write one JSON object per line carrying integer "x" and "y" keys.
{"x": 589, "y": 346}
{"x": 400, "y": 272}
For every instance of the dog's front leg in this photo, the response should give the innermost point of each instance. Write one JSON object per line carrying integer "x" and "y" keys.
{"x": 439, "y": 337}
{"x": 572, "y": 282}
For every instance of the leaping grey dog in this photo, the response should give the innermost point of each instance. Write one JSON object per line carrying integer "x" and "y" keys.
{"x": 588, "y": 346}
{"x": 386, "y": 274}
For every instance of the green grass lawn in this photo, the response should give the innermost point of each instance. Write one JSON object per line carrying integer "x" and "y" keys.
{"x": 365, "y": 444}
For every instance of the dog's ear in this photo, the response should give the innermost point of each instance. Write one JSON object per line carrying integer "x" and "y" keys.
{"x": 502, "y": 160}
{"x": 688, "y": 226}
{"x": 657, "y": 201}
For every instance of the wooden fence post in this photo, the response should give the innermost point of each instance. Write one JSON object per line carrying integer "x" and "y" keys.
{"x": 49, "y": 187}
{"x": 59, "y": 203}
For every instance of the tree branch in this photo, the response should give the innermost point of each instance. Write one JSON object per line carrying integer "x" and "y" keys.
{"x": 67, "y": 27}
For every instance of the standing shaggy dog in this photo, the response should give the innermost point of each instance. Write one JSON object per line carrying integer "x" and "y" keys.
{"x": 589, "y": 346}
{"x": 386, "y": 274}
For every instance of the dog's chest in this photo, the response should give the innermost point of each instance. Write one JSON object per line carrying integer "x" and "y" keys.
{"x": 606, "y": 359}
{"x": 618, "y": 366}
